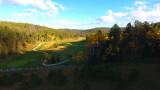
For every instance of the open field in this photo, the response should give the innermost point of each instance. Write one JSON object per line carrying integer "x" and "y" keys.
{"x": 28, "y": 59}
{"x": 33, "y": 58}
{"x": 68, "y": 49}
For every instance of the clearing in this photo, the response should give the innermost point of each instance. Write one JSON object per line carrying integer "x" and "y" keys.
{"x": 64, "y": 50}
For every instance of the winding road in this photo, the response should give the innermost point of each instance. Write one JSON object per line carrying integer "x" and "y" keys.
{"x": 46, "y": 54}
{"x": 44, "y": 67}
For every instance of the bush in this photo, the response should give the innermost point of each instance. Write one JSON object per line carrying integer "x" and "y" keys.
{"x": 5, "y": 80}
{"x": 57, "y": 78}
{"x": 35, "y": 80}
{"x": 24, "y": 85}
{"x": 121, "y": 84}
{"x": 51, "y": 76}
{"x": 86, "y": 87}
{"x": 76, "y": 70}
{"x": 62, "y": 80}
{"x": 134, "y": 75}
{"x": 17, "y": 77}
{"x": 100, "y": 72}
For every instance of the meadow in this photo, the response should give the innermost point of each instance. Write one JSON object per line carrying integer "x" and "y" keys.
{"x": 35, "y": 58}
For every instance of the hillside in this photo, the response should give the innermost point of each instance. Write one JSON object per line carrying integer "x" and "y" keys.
{"x": 14, "y": 37}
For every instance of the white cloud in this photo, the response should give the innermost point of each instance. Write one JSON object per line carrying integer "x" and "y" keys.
{"x": 142, "y": 15}
{"x": 107, "y": 19}
{"x": 47, "y": 5}
{"x": 109, "y": 12}
{"x": 36, "y": 3}
{"x": 52, "y": 7}
{"x": 157, "y": 6}
{"x": 50, "y": 14}
{"x": 23, "y": 17}
{"x": 110, "y": 17}
{"x": 62, "y": 7}
{"x": 128, "y": 8}
{"x": 139, "y": 12}
{"x": 64, "y": 22}
{"x": 120, "y": 14}
{"x": 22, "y": 14}
{"x": 142, "y": 7}
{"x": 31, "y": 10}
{"x": 138, "y": 15}
{"x": 140, "y": 3}
{"x": 67, "y": 24}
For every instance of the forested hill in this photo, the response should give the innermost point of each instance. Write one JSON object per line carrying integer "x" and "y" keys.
{"x": 86, "y": 32}
{"x": 15, "y": 36}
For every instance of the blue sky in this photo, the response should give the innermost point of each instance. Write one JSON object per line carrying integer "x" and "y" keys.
{"x": 79, "y": 14}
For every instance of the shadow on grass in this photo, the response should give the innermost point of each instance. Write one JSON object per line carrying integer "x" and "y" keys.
{"x": 71, "y": 49}
{"x": 28, "y": 59}
{"x": 33, "y": 59}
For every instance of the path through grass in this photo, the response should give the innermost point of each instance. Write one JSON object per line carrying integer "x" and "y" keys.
{"x": 33, "y": 59}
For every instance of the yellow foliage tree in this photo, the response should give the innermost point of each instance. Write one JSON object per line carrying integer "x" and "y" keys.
{"x": 52, "y": 37}
{"x": 79, "y": 57}
{"x": 48, "y": 57}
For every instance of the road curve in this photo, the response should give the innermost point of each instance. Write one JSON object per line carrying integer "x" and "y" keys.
{"x": 44, "y": 67}
{"x": 46, "y": 54}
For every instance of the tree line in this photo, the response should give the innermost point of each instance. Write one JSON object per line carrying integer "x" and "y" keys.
{"x": 87, "y": 32}
{"x": 136, "y": 43}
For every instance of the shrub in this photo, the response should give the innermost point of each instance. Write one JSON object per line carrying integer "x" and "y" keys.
{"x": 57, "y": 78}
{"x": 133, "y": 75}
{"x": 51, "y": 76}
{"x": 35, "y": 80}
{"x": 24, "y": 85}
{"x": 17, "y": 77}
{"x": 62, "y": 80}
{"x": 86, "y": 87}
{"x": 5, "y": 80}
{"x": 121, "y": 84}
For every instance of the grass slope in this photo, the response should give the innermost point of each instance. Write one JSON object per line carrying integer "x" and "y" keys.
{"x": 70, "y": 49}
{"x": 32, "y": 58}
{"x": 28, "y": 59}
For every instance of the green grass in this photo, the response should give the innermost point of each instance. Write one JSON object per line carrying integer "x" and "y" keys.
{"x": 28, "y": 59}
{"x": 32, "y": 59}
{"x": 69, "y": 51}
{"x": 65, "y": 41}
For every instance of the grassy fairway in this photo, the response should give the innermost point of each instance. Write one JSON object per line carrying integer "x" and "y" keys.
{"x": 32, "y": 58}
{"x": 70, "y": 49}
{"x": 28, "y": 59}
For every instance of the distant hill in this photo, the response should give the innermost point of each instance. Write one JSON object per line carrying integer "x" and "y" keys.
{"x": 83, "y": 33}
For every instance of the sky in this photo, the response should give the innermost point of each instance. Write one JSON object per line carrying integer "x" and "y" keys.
{"x": 79, "y": 14}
